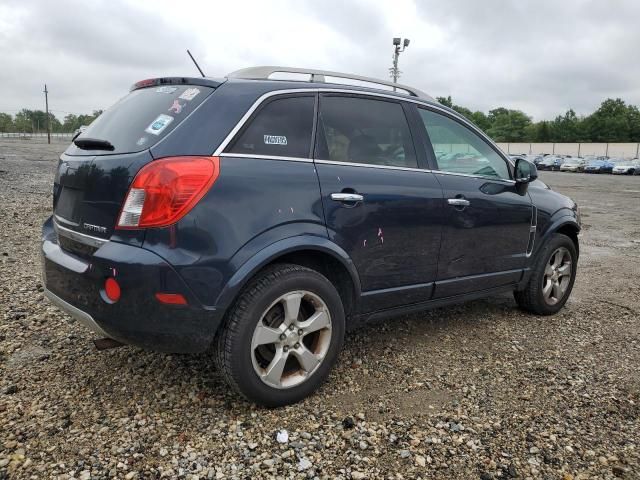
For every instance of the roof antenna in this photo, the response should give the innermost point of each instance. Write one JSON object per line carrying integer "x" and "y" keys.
{"x": 196, "y": 63}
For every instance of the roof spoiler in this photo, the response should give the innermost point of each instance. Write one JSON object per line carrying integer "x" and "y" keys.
{"x": 157, "y": 82}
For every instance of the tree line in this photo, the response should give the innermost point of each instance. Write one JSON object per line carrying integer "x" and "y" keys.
{"x": 613, "y": 121}
{"x": 32, "y": 121}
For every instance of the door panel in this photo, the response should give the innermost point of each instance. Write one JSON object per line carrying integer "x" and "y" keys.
{"x": 392, "y": 236}
{"x": 379, "y": 207}
{"x": 488, "y": 218}
{"x": 489, "y": 237}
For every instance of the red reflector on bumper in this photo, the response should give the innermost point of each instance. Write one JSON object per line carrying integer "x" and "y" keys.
{"x": 112, "y": 289}
{"x": 171, "y": 298}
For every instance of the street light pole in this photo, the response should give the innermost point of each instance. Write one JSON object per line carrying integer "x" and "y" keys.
{"x": 394, "y": 70}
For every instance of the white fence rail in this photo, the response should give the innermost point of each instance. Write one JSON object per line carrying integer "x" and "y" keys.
{"x": 624, "y": 150}
{"x": 36, "y": 136}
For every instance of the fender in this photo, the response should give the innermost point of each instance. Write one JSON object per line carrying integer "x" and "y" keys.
{"x": 556, "y": 222}
{"x": 277, "y": 249}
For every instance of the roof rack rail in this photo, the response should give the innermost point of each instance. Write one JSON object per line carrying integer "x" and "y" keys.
{"x": 265, "y": 72}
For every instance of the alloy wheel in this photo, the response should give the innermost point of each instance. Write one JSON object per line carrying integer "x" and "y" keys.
{"x": 291, "y": 339}
{"x": 557, "y": 276}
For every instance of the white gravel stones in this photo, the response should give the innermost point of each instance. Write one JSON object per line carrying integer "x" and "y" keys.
{"x": 478, "y": 391}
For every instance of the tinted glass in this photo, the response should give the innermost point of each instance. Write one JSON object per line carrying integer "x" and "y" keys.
{"x": 459, "y": 150}
{"x": 361, "y": 130}
{"x": 283, "y": 127}
{"x": 139, "y": 120}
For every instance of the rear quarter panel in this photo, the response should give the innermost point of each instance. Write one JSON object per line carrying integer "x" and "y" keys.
{"x": 254, "y": 203}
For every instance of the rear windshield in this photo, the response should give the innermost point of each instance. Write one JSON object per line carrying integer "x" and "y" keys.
{"x": 139, "y": 120}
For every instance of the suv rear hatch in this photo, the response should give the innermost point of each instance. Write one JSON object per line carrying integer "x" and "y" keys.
{"x": 96, "y": 170}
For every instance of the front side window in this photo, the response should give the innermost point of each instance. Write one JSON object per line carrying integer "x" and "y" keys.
{"x": 362, "y": 130}
{"x": 460, "y": 150}
{"x": 282, "y": 128}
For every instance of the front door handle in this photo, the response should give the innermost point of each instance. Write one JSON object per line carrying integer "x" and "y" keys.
{"x": 347, "y": 197}
{"x": 458, "y": 202}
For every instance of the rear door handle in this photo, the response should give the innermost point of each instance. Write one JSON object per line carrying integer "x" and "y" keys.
{"x": 347, "y": 197}
{"x": 458, "y": 202}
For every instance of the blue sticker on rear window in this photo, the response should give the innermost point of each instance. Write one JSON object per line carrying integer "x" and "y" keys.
{"x": 159, "y": 124}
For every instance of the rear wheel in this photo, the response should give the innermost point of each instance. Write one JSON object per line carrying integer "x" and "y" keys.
{"x": 552, "y": 277}
{"x": 282, "y": 336}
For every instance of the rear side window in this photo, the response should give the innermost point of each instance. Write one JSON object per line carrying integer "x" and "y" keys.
{"x": 362, "y": 130}
{"x": 145, "y": 116}
{"x": 282, "y": 128}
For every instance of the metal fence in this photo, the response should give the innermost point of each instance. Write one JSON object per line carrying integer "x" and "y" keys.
{"x": 624, "y": 150}
{"x": 37, "y": 136}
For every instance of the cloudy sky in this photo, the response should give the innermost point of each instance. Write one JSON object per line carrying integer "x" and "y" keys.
{"x": 541, "y": 56}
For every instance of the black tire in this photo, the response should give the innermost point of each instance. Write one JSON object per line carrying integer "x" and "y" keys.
{"x": 531, "y": 298}
{"x": 234, "y": 354}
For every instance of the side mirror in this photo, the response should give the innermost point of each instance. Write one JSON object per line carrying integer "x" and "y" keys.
{"x": 525, "y": 171}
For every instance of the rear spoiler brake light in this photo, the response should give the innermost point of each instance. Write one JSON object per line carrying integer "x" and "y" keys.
{"x": 156, "y": 82}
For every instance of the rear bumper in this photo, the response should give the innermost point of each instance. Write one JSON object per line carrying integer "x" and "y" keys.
{"x": 83, "y": 317}
{"x": 75, "y": 285}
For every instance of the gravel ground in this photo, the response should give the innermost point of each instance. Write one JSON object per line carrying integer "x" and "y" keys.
{"x": 481, "y": 390}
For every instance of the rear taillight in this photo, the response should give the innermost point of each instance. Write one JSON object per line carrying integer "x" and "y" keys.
{"x": 165, "y": 190}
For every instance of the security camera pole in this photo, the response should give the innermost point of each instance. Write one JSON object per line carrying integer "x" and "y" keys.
{"x": 395, "y": 72}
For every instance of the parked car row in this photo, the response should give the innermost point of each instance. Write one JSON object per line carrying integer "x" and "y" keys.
{"x": 589, "y": 164}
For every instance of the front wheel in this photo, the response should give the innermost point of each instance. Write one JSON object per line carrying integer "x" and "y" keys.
{"x": 552, "y": 277}
{"x": 282, "y": 336}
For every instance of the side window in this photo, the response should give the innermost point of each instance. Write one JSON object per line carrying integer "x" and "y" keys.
{"x": 362, "y": 130}
{"x": 283, "y": 128}
{"x": 460, "y": 150}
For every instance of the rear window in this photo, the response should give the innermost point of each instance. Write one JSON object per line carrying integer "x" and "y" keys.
{"x": 139, "y": 120}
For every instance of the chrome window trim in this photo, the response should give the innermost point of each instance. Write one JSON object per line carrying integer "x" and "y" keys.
{"x": 370, "y": 165}
{"x": 79, "y": 237}
{"x": 363, "y": 165}
{"x": 482, "y": 177}
{"x": 416, "y": 101}
{"x": 267, "y": 157}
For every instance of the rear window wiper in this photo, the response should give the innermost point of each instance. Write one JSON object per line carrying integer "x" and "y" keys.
{"x": 93, "y": 144}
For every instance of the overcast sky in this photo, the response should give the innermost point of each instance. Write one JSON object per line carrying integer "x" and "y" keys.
{"x": 540, "y": 56}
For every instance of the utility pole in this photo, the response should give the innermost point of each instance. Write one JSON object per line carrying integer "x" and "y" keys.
{"x": 46, "y": 103}
{"x": 394, "y": 71}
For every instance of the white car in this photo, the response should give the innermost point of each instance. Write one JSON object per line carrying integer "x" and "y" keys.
{"x": 627, "y": 167}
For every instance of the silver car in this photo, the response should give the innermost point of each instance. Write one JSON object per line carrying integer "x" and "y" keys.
{"x": 626, "y": 167}
{"x": 573, "y": 164}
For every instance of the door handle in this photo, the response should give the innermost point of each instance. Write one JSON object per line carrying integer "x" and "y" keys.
{"x": 458, "y": 202}
{"x": 347, "y": 197}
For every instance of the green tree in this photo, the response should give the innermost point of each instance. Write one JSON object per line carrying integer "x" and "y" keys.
{"x": 6, "y": 123}
{"x": 566, "y": 128}
{"x": 610, "y": 123}
{"x": 542, "y": 132}
{"x": 478, "y": 118}
{"x": 508, "y": 125}
{"x": 22, "y": 121}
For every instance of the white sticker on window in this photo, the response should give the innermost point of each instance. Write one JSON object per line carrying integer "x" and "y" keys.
{"x": 189, "y": 94}
{"x": 275, "y": 140}
{"x": 166, "y": 89}
{"x": 159, "y": 124}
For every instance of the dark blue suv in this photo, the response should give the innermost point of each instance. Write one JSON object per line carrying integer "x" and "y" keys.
{"x": 263, "y": 217}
